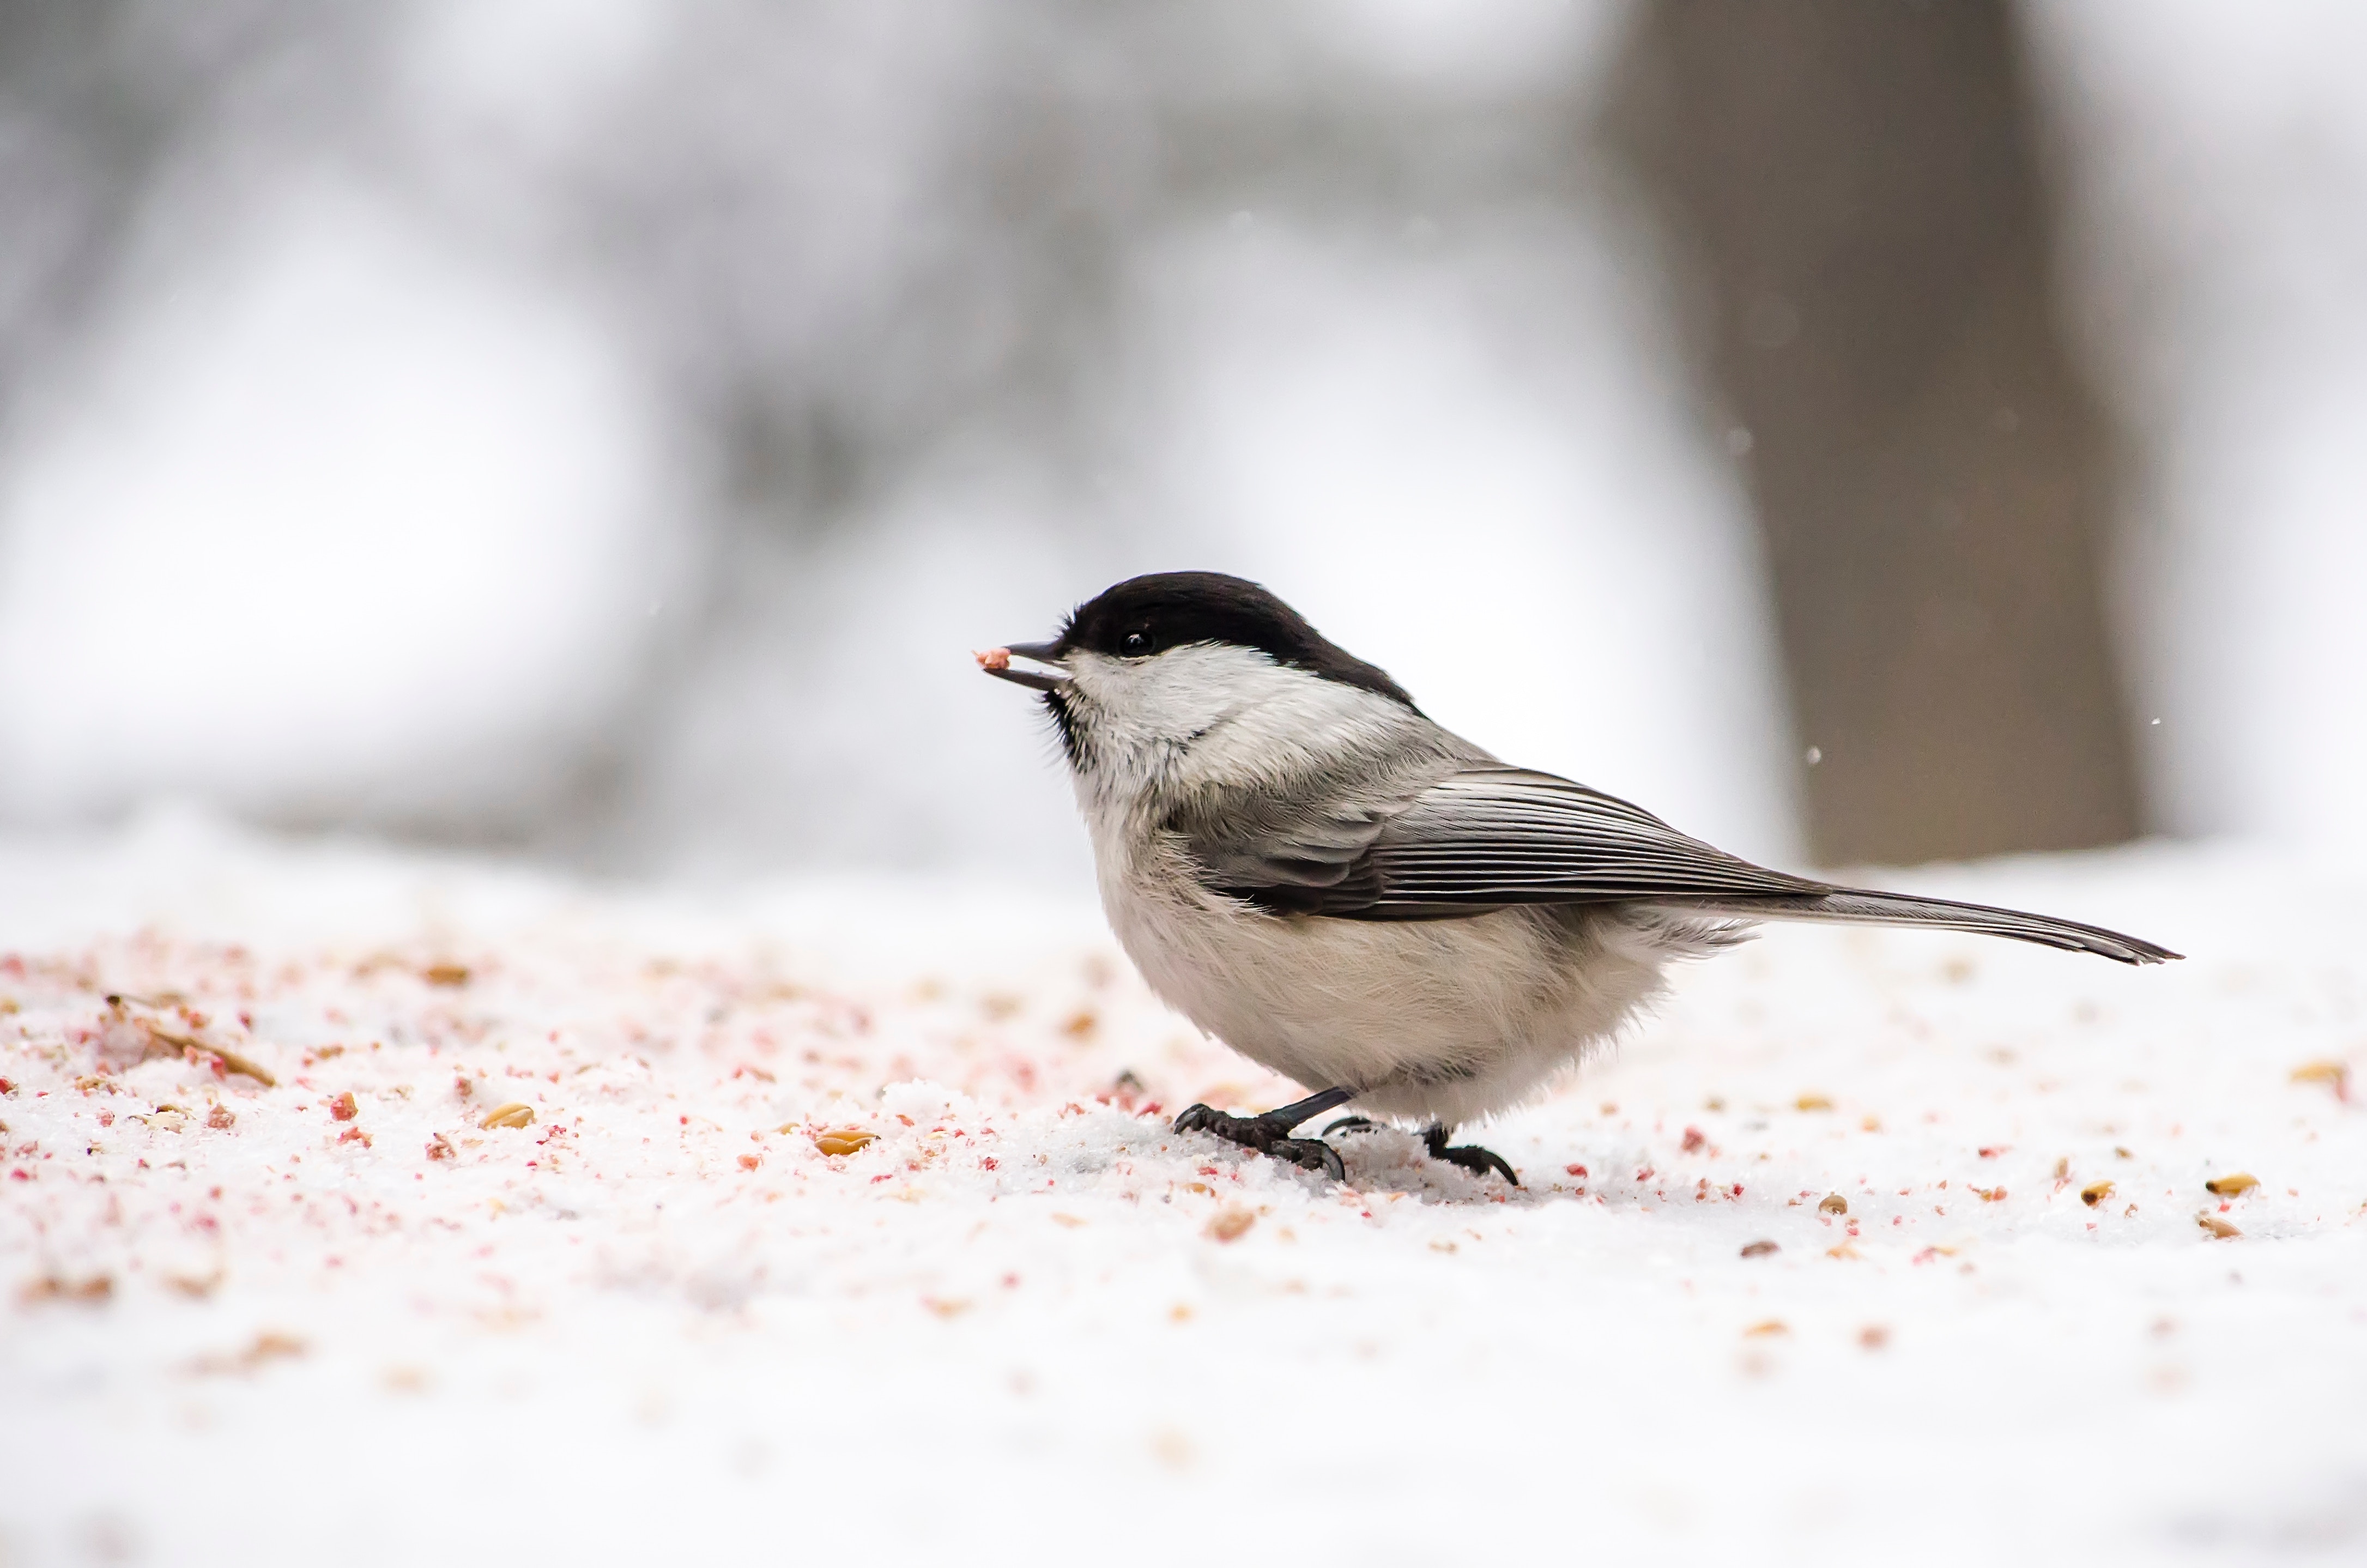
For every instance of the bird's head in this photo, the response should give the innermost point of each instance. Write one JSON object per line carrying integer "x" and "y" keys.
{"x": 1152, "y": 666}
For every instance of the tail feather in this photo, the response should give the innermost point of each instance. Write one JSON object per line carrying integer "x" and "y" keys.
{"x": 1857, "y": 906}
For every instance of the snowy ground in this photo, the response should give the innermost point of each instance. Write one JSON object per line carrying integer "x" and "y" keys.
{"x": 1027, "y": 1324}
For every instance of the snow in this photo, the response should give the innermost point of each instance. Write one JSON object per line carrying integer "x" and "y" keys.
{"x": 1026, "y": 1322}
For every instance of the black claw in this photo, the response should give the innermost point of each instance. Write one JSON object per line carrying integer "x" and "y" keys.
{"x": 1311, "y": 1154}
{"x": 1479, "y": 1162}
{"x": 1353, "y": 1124}
{"x": 1471, "y": 1156}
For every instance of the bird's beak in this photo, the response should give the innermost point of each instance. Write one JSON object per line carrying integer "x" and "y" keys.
{"x": 997, "y": 661}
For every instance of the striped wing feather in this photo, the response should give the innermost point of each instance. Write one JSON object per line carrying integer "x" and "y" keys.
{"x": 1489, "y": 838}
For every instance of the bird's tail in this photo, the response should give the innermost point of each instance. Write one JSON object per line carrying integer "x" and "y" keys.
{"x": 1857, "y": 906}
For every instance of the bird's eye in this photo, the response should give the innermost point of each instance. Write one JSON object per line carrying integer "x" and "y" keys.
{"x": 1135, "y": 643}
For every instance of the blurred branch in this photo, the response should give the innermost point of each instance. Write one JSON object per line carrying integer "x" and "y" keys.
{"x": 99, "y": 99}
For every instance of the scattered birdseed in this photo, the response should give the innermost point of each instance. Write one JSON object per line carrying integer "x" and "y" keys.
{"x": 2219, "y": 1230}
{"x": 1759, "y": 1248}
{"x": 844, "y": 1140}
{"x": 517, "y": 1113}
{"x": 2095, "y": 1193}
{"x": 2233, "y": 1185}
{"x": 1833, "y": 1203}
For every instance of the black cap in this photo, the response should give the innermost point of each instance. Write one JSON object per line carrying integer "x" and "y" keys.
{"x": 1144, "y": 616}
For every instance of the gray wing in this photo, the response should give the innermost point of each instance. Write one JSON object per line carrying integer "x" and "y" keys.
{"x": 1489, "y": 838}
{"x": 1480, "y": 839}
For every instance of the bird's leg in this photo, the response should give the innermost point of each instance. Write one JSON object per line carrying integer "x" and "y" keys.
{"x": 1270, "y": 1134}
{"x": 1471, "y": 1156}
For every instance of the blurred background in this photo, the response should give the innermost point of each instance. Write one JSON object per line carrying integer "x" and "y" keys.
{"x": 596, "y": 430}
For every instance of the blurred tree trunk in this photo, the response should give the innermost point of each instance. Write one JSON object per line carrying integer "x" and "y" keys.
{"x": 1857, "y": 190}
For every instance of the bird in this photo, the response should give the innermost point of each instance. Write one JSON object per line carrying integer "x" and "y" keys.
{"x": 1311, "y": 871}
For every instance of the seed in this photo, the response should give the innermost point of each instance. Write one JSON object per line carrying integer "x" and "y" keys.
{"x": 1760, "y": 1249}
{"x": 1834, "y": 1203}
{"x": 2337, "y": 1073}
{"x": 1230, "y": 1225}
{"x": 2218, "y": 1229}
{"x": 1767, "y": 1330}
{"x": 844, "y": 1140}
{"x": 2095, "y": 1193}
{"x": 517, "y": 1113}
{"x": 2232, "y": 1185}
{"x": 1813, "y": 1102}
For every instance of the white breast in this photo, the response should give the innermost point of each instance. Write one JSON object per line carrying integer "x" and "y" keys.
{"x": 1444, "y": 1020}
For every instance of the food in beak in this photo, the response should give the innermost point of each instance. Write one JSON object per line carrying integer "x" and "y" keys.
{"x": 997, "y": 661}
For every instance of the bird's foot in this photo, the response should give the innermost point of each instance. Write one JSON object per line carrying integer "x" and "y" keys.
{"x": 1471, "y": 1156}
{"x": 1270, "y": 1134}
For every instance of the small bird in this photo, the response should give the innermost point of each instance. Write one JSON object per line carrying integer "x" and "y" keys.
{"x": 1309, "y": 868}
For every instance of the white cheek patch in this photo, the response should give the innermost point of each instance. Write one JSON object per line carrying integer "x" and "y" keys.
{"x": 1235, "y": 710}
